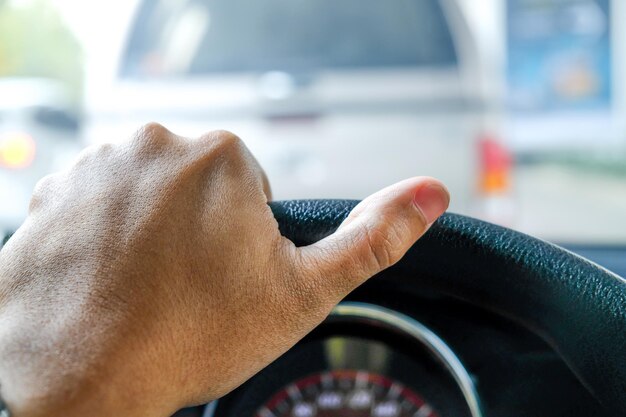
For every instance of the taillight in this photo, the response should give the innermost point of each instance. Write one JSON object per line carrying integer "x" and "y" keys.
{"x": 495, "y": 168}
{"x": 17, "y": 150}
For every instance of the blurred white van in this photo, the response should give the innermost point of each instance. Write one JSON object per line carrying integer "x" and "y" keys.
{"x": 335, "y": 98}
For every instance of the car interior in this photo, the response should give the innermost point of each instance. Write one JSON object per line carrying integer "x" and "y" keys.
{"x": 476, "y": 320}
{"x": 509, "y": 306}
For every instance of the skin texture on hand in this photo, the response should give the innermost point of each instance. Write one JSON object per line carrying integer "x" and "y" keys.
{"x": 151, "y": 275}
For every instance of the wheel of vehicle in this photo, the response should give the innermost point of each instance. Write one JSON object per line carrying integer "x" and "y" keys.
{"x": 578, "y": 307}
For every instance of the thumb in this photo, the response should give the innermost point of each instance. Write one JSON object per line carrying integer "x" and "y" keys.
{"x": 376, "y": 234}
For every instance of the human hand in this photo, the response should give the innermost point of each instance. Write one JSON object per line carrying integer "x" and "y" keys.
{"x": 151, "y": 275}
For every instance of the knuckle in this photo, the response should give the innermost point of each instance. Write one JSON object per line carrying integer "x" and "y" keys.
{"x": 91, "y": 156}
{"x": 98, "y": 151}
{"x": 153, "y": 129}
{"x": 382, "y": 245}
{"x": 225, "y": 136}
{"x": 226, "y": 141}
{"x": 104, "y": 149}
{"x": 85, "y": 156}
{"x": 151, "y": 137}
{"x": 42, "y": 189}
{"x": 228, "y": 147}
{"x": 44, "y": 184}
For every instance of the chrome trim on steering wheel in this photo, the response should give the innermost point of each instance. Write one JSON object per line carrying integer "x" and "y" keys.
{"x": 424, "y": 336}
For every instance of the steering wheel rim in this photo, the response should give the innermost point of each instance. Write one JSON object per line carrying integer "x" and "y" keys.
{"x": 578, "y": 307}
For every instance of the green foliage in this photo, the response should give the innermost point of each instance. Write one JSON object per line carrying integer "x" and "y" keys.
{"x": 34, "y": 41}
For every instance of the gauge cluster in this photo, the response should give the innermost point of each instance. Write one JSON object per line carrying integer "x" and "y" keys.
{"x": 346, "y": 393}
{"x": 392, "y": 350}
{"x": 364, "y": 361}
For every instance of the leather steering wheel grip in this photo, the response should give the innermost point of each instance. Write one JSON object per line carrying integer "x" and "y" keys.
{"x": 578, "y": 307}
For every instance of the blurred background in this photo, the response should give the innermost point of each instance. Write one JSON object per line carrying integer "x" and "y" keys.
{"x": 516, "y": 104}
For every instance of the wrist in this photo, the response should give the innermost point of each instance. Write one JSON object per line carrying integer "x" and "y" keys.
{"x": 81, "y": 397}
{"x": 46, "y": 373}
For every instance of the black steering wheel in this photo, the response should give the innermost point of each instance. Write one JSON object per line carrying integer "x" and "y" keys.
{"x": 578, "y": 307}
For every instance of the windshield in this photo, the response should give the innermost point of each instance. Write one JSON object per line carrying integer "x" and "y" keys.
{"x": 199, "y": 37}
{"x": 517, "y": 105}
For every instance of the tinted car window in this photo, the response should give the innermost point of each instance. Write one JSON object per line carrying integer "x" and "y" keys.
{"x": 206, "y": 36}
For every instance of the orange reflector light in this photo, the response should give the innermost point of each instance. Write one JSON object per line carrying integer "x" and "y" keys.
{"x": 496, "y": 166}
{"x": 494, "y": 182}
{"x": 17, "y": 150}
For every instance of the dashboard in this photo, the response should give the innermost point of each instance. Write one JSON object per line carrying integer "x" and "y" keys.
{"x": 391, "y": 350}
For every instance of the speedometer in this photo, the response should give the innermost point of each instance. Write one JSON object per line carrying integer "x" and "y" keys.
{"x": 363, "y": 361}
{"x": 346, "y": 393}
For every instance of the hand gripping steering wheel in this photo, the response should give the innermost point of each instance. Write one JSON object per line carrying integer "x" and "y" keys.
{"x": 578, "y": 307}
